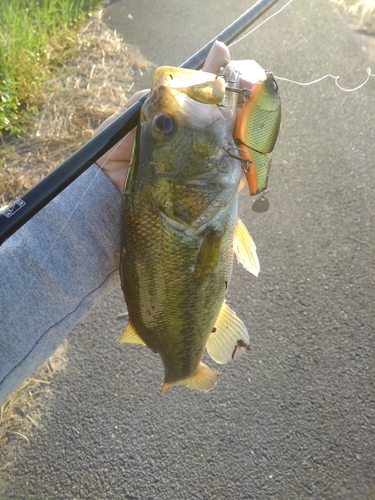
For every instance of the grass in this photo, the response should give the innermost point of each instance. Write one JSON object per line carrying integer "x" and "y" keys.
{"x": 35, "y": 38}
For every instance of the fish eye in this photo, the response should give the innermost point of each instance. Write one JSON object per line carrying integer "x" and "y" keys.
{"x": 272, "y": 86}
{"x": 165, "y": 124}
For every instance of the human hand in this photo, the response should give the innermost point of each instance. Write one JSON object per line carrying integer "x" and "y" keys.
{"x": 115, "y": 162}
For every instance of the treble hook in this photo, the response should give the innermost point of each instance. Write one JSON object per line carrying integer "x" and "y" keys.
{"x": 245, "y": 162}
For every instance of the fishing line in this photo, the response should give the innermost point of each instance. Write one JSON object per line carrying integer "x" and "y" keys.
{"x": 259, "y": 25}
{"x": 368, "y": 71}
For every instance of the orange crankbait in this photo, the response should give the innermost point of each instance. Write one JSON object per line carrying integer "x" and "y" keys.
{"x": 256, "y": 131}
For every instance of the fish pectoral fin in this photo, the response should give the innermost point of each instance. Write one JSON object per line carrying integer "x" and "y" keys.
{"x": 229, "y": 338}
{"x": 203, "y": 379}
{"x": 245, "y": 249}
{"x": 130, "y": 336}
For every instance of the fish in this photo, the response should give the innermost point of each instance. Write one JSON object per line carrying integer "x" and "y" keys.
{"x": 180, "y": 227}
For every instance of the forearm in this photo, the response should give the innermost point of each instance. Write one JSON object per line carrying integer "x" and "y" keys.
{"x": 53, "y": 270}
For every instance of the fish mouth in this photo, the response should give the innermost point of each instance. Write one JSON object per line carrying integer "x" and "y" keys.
{"x": 200, "y": 86}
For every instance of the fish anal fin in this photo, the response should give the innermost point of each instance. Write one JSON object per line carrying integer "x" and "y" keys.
{"x": 203, "y": 379}
{"x": 130, "y": 336}
{"x": 245, "y": 249}
{"x": 229, "y": 337}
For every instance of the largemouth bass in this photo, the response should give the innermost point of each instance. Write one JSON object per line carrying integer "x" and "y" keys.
{"x": 180, "y": 227}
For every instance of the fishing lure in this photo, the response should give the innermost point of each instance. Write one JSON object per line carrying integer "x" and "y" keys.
{"x": 256, "y": 131}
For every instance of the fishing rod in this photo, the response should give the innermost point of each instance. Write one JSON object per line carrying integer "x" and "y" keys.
{"x": 23, "y": 209}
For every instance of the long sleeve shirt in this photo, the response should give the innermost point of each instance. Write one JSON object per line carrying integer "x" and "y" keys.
{"x": 53, "y": 271}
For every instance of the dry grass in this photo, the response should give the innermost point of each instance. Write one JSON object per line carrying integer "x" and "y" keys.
{"x": 21, "y": 412}
{"x": 93, "y": 86}
{"x": 96, "y": 84}
{"x": 363, "y": 12}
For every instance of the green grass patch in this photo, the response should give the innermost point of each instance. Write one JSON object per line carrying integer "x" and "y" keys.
{"x": 35, "y": 38}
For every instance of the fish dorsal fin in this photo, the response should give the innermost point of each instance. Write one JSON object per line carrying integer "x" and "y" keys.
{"x": 229, "y": 337}
{"x": 245, "y": 249}
{"x": 203, "y": 379}
{"x": 130, "y": 336}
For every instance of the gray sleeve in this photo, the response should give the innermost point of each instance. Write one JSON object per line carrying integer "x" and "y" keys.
{"x": 53, "y": 270}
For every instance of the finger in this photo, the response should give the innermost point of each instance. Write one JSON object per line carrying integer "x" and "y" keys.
{"x": 119, "y": 155}
{"x": 217, "y": 58}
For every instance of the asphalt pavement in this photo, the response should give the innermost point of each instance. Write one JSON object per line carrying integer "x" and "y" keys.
{"x": 295, "y": 417}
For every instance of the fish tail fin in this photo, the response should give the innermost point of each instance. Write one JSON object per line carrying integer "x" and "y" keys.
{"x": 203, "y": 379}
